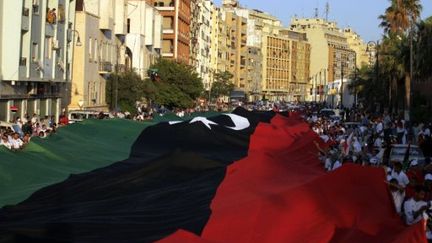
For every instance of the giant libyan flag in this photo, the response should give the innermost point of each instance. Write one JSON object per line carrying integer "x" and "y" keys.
{"x": 238, "y": 177}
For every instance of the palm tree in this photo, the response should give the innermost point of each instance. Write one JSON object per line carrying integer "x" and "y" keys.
{"x": 398, "y": 21}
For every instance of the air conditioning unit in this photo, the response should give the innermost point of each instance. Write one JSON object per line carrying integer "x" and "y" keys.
{"x": 56, "y": 45}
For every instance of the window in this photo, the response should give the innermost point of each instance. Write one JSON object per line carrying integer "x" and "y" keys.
{"x": 90, "y": 48}
{"x": 128, "y": 25}
{"x": 35, "y": 52}
{"x": 97, "y": 56}
{"x": 96, "y": 50}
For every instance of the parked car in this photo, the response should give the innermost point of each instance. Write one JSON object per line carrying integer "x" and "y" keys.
{"x": 333, "y": 114}
{"x": 80, "y": 115}
{"x": 398, "y": 152}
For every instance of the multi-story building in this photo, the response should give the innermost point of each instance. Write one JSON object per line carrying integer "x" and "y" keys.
{"x": 258, "y": 25}
{"x": 201, "y": 32}
{"x": 331, "y": 56}
{"x": 233, "y": 49}
{"x": 176, "y": 28}
{"x": 356, "y": 44}
{"x": 214, "y": 44}
{"x": 144, "y": 36}
{"x": 36, "y": 46}
{"x": 285, "y": 67}
{"x": 102, "y": 27}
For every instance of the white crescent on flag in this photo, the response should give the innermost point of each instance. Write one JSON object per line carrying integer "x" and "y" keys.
{"x": 240, "y": 123}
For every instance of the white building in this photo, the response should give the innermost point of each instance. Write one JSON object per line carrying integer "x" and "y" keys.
{"x": 201, "y": 41}
{"x": 102, "y": 25}
{"x": 144, "y": 35}
{"x": 36, "y": 47}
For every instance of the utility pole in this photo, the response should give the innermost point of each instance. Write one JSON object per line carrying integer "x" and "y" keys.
{"x": 342, "y": 83}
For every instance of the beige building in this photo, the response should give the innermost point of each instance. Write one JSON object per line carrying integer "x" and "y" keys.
{"x": 37, "y": 40}
{"x": 258, "y": 25}
{"x": 359, "y": 46}
{"x": 331, "y": 56}
{"x": 232, "y": 52}
{"x": 102, "y": 27}
{"x": 285, "y": 65}
{"x": 144, "y": 36}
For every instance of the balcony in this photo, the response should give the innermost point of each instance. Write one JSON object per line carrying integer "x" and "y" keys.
{"x": 165, "y": 5}
{"x": 168, "y": 54}
{"x": 49, "y": 30}
{"x": 168, "y": 31}
{"x": 105, "y": 67}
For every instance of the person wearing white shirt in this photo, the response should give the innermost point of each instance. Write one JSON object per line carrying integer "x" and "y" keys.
{"x": 337, "y": 164}
{"x": 379, "y": 127}
{"x": 399, "y": 175}
{"x": 5, "y": 142}
{"x": 398, "y": 194}
{"x": 16, "y": 142}
{"x": 415, "y": 208}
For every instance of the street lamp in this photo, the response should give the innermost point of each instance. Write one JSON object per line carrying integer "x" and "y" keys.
{"x": 78, "y": 42}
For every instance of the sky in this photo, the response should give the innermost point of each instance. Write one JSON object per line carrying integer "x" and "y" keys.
{"x": 361, "y": 15}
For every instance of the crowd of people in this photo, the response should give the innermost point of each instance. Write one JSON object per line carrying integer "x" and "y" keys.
{"x": 24, "y": 129}
{"x": 356, "y": 136}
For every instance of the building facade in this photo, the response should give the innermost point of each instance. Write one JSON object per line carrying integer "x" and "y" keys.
{"x": 102, "y": 27}
{"x": 144, "y": 36}
{"x": 232, "y": 53}
{"x": 356, "y": 44}
{"x": 36, "y": 54}
{"x": 176, "y": 15}
{"x": 201, "y": 41}
{"x": 286, "y": 64}
{"x": 331, "y": 57}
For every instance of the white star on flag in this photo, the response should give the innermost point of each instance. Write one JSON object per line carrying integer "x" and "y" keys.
{"x": 204, "y": 120}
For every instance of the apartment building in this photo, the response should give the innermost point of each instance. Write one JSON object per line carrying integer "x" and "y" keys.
{"x": 356, "y": 44}
{"x": 258, "y": 25}
{"x": 201, "y": 41}
{"x": 36, "y": 46}
{"x": 102, "y": 27}
{"x": 232, "y": 43}
{"x": 285, "y": 68}
{"x": 176, "y": 21}
{"x": 331, "y": 57}
{"x": 144, "y": 36}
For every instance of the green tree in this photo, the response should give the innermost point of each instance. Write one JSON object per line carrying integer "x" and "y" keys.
{"x": 398, "y": 22}
{"x": 423, "y": 56}
{"x": 222, "y": 86}
{"x": 124, "y": 89}
{"x": 181, "y": 76}
{"x": 171, "y": 96}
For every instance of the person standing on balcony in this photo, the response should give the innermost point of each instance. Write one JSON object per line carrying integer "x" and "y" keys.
{"x": 52, "y": 16}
